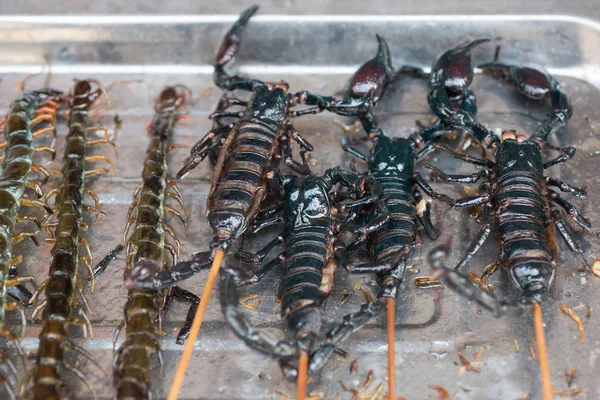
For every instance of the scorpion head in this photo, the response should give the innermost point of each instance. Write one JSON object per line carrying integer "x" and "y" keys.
{"x": 454, "y": 68}
{"x": 372, "y": 78}
{"x": 307, "y": 201}
{"x": 517, "y": 153}
{"x": 270, "y": 102}
{"x": 394, "y": 155}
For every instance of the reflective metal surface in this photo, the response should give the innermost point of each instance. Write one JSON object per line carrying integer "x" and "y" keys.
{"x": 319, "y": 53}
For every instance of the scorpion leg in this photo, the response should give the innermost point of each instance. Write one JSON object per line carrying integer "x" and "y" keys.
{"x": 300, "y": 139}
{"x": 260, "y": 255}
{"x": 264, "y": 270}
{"x": 187, "y": 297}
{"x": 567, "y": 153}
{"x": 352, "y": 151}
{"x": 564, "y": 231}
{"x": 571, "y": 210}
{"x": 196, "y": 159}
{"x": 336, "y": 336}
{"x": 208, "y": 138}
{"x": 463, "y": 157}
{"x": 483, "y": 234}
{"x": 472, "y": 178}
{"x": 425, "y": 217}
{"x": 304, "y": 168}
{"x": 566, "y": 187}
{"x": 418, "y": 179}
{"x": 144, "y": 276}
{"x": 226, "y": 54}
{"x": 241, "y": 325}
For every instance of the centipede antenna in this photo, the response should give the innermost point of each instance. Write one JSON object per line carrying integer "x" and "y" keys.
{"x": 195, "y": 330}
{"x": 540, "y": 338}
{"x": 391, "y": 337}
{"x": 302, "y": 375}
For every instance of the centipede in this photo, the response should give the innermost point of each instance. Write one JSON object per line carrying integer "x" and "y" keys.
{"x": 147, "y": 245}
{"x": 65, "y": 304}
{"x": 31, "y": 115}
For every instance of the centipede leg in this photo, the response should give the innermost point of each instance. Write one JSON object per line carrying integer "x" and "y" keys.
{"x": 179, "y": 200}
{"x": 105, "y": 159}
{"x": 183, "y": 219}
{"x": 37, "y": 189}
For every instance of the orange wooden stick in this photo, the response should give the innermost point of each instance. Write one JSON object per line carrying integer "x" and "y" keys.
{"x": 302, "y": 375}
{"x": 195, "y": 330}
{"x": 391, "y": 337}
{"x": 540, "y": 338}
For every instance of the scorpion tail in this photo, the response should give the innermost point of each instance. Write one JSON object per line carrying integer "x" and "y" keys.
{"x": 226, "y": 53}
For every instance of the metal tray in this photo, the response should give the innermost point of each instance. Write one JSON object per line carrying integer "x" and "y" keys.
{"x": 319, "y": 53}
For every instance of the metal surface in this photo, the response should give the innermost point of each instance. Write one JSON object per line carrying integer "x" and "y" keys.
{"x": 319, "y": 53}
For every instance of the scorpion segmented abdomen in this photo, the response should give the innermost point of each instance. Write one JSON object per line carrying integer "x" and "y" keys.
{"x": 244, "y": 174}
{"x": 521, "y": 214}
{"x": 401, "y": 228}
{"x": 306, "y": 254}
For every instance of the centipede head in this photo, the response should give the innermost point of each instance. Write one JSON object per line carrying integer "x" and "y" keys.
{"x": 172, "y": 98}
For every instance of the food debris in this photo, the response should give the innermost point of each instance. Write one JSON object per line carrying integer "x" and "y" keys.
{"x": 441, "y": 391}
{"x": 368, "y": 296}
{"x": 342, "y": 360}
{"x": 532, "y": 352}
{"x": 348, "y": 128}
{"x": 427, "y": 282}
{"x": 480, "y": 352}
{"x": 476, "y": 279}
{"x": 354, "y": 367}
{"x": 341, "y": 352}
{"x": 357, "y": 393}
{"x": 311, "y": 160}
{"x": 206, "y": 92}
{"x": 277, "y": 299}
{"x": 251, "y": 302}
{"x": 345, "y": 295}
{"x": 568, "y": 392}
{"x": 570, "y": 376}
{"x": 421, "y": 208}
{"x": 596, "y": 267}
{"x": 311, "y": 396}
{"x": 261, "y": 375}
{"x": 356, "y": 285}
{"x": 517, "y": 348}
{"x": 466, "y": 364}
{"x": 575, "y": 317}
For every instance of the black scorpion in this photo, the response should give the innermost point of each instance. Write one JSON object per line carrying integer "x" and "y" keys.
{"x": 310, "y": 259}
{"x": 249, "y": 151}
{"x": 524, "y": 206}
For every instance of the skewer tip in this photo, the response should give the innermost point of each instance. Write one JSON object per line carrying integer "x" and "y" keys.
{"x": 391, "y": 338}
{"x": 195, "y": 330}
{"x": 302, "y": 375}
{"x": 540, "y": 337}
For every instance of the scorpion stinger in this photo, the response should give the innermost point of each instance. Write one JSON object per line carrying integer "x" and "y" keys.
{"x": 535, "y": 83}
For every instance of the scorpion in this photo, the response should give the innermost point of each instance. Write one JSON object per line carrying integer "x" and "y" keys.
{"x": 25, "y": 121}
{"x": 521, "y": 200}
{"x": 249, "y": 153}
{"x": 147, "y": 246}
{"x": 309, "y": 260}
{"x": 61, "y": 307}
